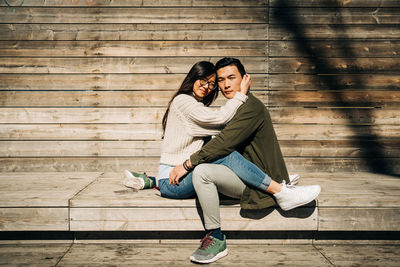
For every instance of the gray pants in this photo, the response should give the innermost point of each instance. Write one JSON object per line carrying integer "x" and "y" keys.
{"x": 208, "y": 180}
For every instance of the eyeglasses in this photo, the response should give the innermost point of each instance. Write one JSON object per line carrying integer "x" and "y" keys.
{"x": 211, "y": 84}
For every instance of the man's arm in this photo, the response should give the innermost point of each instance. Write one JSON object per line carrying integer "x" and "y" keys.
{"x": 246, "y": 121}
{"x": 242, "y": 126}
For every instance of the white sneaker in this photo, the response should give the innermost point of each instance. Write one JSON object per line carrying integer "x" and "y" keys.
{"x": 291, "y": 196}
{"x": 133, "y": 181}
{"x": 294, "y": 179}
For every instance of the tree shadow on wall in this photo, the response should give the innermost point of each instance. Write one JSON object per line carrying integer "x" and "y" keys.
{"x": 287, "y": 17}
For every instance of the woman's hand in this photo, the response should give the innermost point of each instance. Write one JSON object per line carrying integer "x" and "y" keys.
{"x": 245, "y": 84}
{"x": 176, "y": 174}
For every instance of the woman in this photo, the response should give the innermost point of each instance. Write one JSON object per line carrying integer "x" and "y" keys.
{"x": 187, "y": 121}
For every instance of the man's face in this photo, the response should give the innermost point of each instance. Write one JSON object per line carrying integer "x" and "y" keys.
{"x": 229, "y": 80}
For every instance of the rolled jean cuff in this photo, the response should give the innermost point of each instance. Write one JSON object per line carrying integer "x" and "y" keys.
{"x": 265, "y": 183}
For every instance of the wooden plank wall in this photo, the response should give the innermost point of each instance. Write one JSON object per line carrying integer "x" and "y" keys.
{"x": 84, "y": 84}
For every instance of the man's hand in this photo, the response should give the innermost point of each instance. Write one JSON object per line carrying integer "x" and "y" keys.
{"x": 176, "y": 174}
{"x": 245, "y": 84}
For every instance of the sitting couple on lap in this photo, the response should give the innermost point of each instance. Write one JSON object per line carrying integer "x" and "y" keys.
{"x": 242, "y": 161}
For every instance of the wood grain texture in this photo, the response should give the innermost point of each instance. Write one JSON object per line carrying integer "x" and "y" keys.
{"x": 334, "y": 3}
{"x": 140, "y": 3}
{"x": 336, "y": 48}
{"x": 290, "y": 148}
{"x": 133, "y": 48}
{"x": 335, "y": 65}
{"x": 317, "y": 15}
{"x": 132, "y": 32}
{"x": 350, "y": 32}
{"x": 358, "y": 219}
{"x": 128, "y": 65}
{"x": 344, "y": 116}
{"x": 150, "y": 164}
{"x": 131, "y": 132}
{"x": 134, "y": 15}
{"x": 34, "y": 219}
{"x": 343, "y": 82}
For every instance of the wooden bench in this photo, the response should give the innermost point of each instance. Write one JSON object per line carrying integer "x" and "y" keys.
{"x": 99, "y": 202}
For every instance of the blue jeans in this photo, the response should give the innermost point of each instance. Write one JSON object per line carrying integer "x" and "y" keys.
{"x": 247, "y": 171}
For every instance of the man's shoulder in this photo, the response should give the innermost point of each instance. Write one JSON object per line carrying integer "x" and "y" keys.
{"x": 253, "y": 104}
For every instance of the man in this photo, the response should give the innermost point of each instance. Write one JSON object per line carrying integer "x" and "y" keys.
{"x": 251, "y": 133}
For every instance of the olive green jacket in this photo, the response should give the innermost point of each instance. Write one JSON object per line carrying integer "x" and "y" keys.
{"x": 251, "y": 133}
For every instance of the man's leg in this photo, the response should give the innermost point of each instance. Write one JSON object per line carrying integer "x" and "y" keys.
{"x": 287, "y": 196}
{"x": 208, "y": 180}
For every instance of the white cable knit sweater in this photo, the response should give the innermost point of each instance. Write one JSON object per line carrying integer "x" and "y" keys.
{"x": 189, "y": 121}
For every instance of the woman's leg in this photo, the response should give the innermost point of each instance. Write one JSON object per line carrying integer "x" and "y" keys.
{"x": 182, "y": 190}
{"x": 248, "y": 172}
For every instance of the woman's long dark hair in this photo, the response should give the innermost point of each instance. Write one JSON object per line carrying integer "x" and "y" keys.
{"x": 200, "y": 70}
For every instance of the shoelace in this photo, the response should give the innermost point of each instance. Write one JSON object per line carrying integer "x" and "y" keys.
{"x": 287, "y": 185}
{"x": 206, "y": 242}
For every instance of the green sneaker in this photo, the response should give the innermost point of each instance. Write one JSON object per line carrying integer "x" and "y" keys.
{"x": 210, "y": 250}
{"x": 138, "y": 181}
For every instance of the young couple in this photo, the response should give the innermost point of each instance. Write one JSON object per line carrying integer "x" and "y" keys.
{"x": 242, "y": 161}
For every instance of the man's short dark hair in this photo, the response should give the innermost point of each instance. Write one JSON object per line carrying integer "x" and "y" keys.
{"x": 228, "y": 61}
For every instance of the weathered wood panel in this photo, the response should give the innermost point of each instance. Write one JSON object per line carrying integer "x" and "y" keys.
{"x": 293, "y": 115}
{"x": 141, "y": 3}
{"x": 335, "y": 65}
{"x": 284, "y": 82}
{"x": 34, "y": 219}
{"x": 133, "y": 48}
{"x": 150, "y": 164}
{"x": 97, "y": 98}
{"x": 357, "y": 32}
{"x": 84, "y": 82}
{"x": 91, "y": 131}
{"x": 334, "y": 3}
{"x": 107, "y": 66}
{"x": 126, "y": 32}
{"x": 335, "y": 98}
{"x": 131, "y": 132}
{"x": 358, "y": 219}
{"x": 178, "y": 219}
{"x": 290, "y": 148}
{"x": 336, "y": 48}
{"x": 135, "y": 15}
{"x": 300, "y": 15}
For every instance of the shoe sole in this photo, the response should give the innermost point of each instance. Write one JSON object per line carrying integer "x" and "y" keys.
{"x": 216, "y": 257}
{"x": 132, "y": 181}
{"x": 304, "y": 202}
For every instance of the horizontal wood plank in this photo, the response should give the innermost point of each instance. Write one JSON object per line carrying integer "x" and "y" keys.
{"x": 91, "y": 131}
{"x": 126, "y": 65}
{"x": 134, "y": 15}
{"x": 290, "y": 148}
{"x": 333, "y": 31}
{"x": 335, "y": 98}
{"x": 292, "y": 115}
{"x": 290, "y": 82}
{"x": 132, "y": 48}
{"x": 132, "y": 32}
{"x": 97, "y": 98}
{"x": 122, "y": 82}
{"x": 335, "y": 65}
{"x": 140, "y": 3}
{"x": 131, "y": 132}
{"x": 150, "y": 164}
{"x": 358, "y": 219}
{"x": 335, "y": 48}
{"x": 34, "y": 219}
{"x": 317, "y": 15}
{"x": 335, "y": 3}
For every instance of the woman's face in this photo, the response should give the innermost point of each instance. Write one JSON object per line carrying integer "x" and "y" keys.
{"x": 203, "y": 87}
